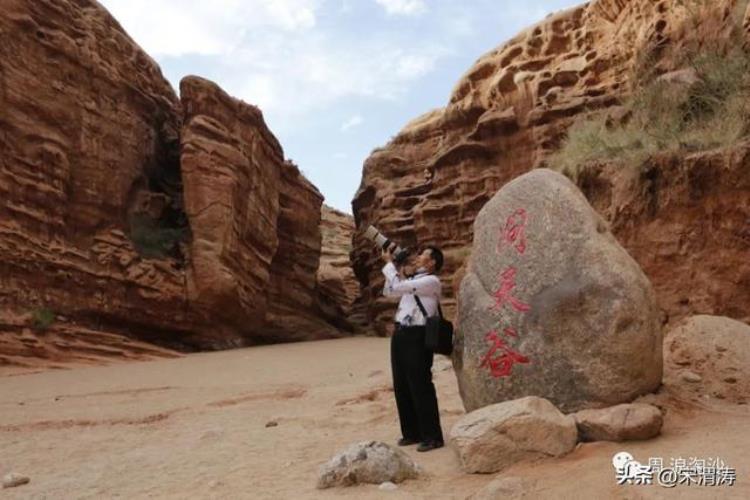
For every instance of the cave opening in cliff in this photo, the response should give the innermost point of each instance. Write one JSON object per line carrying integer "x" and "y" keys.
{"x": 157, "y": 222}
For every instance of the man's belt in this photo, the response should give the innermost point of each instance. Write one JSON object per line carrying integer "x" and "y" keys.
{"x": 399, "y": 326}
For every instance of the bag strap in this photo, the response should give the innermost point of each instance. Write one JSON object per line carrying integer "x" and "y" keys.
{"x": 424, "y": 311}
{"x": 421, "y": 307}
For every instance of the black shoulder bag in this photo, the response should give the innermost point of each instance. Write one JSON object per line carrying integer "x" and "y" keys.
{"x": 439, "y": 331}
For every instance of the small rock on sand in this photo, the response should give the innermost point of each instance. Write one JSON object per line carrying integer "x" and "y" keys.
{"x": 15, "y": 479}
{"x": 367, "y": 462}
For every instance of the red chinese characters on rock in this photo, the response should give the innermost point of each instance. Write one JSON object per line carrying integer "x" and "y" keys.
{"x": 500, "y": 358}
{"x": 507, "y": 281}
{"x": 514, "y": 233}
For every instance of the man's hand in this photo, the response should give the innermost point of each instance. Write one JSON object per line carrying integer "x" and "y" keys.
{"x": 387, "y": 256}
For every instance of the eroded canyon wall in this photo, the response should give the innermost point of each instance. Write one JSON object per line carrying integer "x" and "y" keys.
{"x": 255, "y": 220}
{"x": 127, "y": 213}
{"x": 338, "y": 286}
{"x": 87, "y": 121}
{"x": 509, "y": 112}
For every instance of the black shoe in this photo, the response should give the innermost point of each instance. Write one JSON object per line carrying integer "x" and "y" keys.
{"x": 429, "y": 445}
{"x": 407, "y": 441}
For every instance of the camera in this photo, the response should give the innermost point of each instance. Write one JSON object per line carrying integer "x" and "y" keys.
{"x": 399, "y": 254}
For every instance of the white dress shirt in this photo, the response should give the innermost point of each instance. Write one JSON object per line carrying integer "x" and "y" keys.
{"x": 427, "y": 286}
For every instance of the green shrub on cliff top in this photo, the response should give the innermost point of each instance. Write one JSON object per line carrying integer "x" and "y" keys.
{"x": 659, "y": 116}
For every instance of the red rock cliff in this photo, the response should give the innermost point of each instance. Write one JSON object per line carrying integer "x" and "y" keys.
{"x": 338, "y": 286}
{"x": 255, "y": 222}
{"x": 506, "y": 115}
{"x": 104, "y": 232}
{"x": 86, "y": 122}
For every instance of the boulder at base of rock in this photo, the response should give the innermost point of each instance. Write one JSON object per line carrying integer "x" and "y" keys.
{"x": 552, "y": 306}
{"x": 367, "y": 462}
{"x": 708, "y": 356}
{"x": 497, "y": 436}
{"x": 625, "y": 422}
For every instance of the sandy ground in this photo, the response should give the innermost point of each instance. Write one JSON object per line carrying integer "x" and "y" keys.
{"x": 195, "y": 427}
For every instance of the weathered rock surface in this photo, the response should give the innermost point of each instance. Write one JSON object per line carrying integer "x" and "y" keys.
{"x": 88, "y": 137}
{"x": 497, "y": 436}
{"x": 255, "y": 222}
{"x": 101, "y": 224}
{"x": 686, "y": 221}
{"x": 23, "y": 345}
{"x": 624, "y": 422}
{"x": 367, "y": 462}
{"x": 337, "y": 285}
{"x": 552, "y": 306}
{"x": 717, "y": 350}
{"x": 512, "y": 108}
{"x": 294, "y": 306}
{"x": 231, "y": 170}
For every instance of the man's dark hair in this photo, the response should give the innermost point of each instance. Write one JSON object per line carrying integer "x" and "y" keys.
{"x": 437, "y": 256}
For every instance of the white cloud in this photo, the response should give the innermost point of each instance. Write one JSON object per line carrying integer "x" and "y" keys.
{"x": 412, "y": 66}
{"x": 352, "y": 122}
{"x": 403, "y": 7}
{"x": 259, "y": 89}
{"x": 312, "y": 72}
{"x": 273, "y": 54}
{"x": 182, "y": 27}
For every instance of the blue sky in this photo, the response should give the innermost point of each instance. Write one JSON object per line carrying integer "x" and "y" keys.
{"x": 334, "y": 78}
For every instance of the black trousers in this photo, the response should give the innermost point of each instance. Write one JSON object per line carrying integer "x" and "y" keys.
{"x": 411, "y": 365}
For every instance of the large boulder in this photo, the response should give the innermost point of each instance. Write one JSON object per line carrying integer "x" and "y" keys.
{"x": 624, "y": 422}
{"x": 708, "y": 357}
{"x": 495, "y": 437}
{"x": 367, "y": 462}
{"x": 552, "y": 306}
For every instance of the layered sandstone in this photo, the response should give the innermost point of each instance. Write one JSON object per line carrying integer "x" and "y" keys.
{"x": 686, "y": 220}
{"x": 119, "y": 220}
{"x": 509, "y": 112}
{"x": 89, "y": 135}
{"x": 255, "y": 222}
{"x": 294, "y": 310}
{"x": 22, "y": 345}
{"x": 231, "y": 170}
{"x": 338, "y": 287}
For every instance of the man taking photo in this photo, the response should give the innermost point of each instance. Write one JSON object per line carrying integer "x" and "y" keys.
{"x": 411, "y": 362}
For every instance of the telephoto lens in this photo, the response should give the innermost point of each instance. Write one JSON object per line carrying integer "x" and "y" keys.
{"x": 399, "y": 254}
